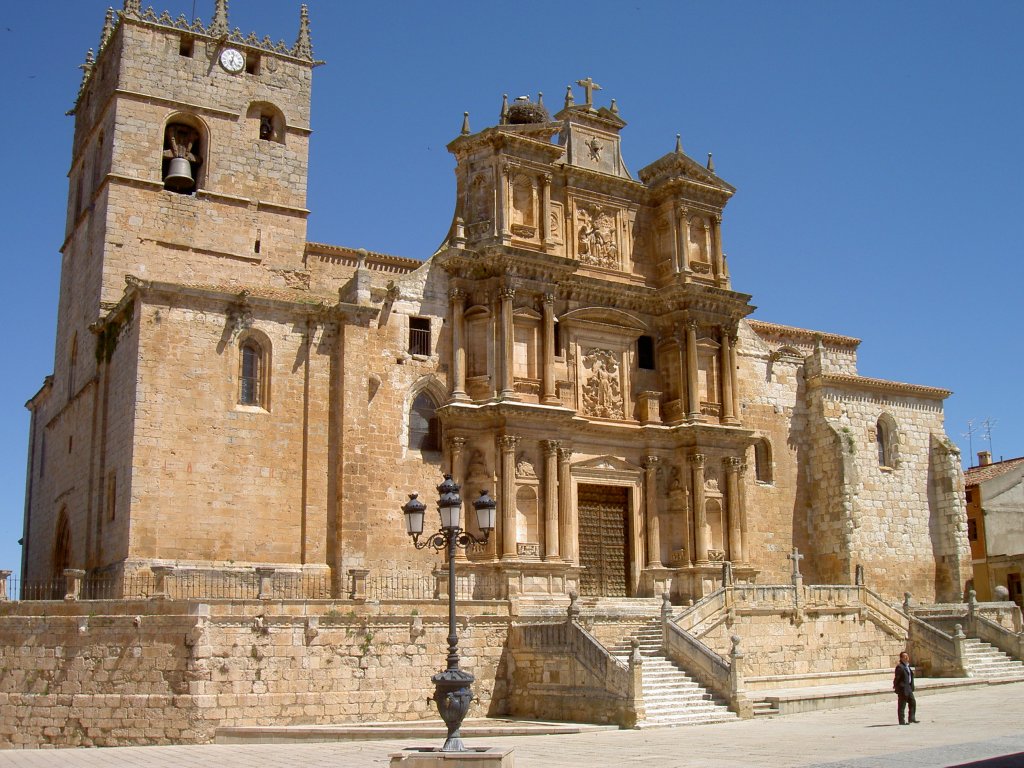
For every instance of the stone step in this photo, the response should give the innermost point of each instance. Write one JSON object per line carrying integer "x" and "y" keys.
{"x": 985, "y": 660}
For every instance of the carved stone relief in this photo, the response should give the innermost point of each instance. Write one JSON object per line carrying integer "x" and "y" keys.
{"x": 555, "y": 223}
{"x": 596, "y": 236}
{"x": 524, "y": 467}
{"x": 602, "y": 391}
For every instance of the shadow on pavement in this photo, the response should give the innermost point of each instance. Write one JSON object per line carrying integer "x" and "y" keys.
{"x": 1015, "y": 760}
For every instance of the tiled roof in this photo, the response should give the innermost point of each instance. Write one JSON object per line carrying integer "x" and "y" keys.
{"x": 978, "y": 475}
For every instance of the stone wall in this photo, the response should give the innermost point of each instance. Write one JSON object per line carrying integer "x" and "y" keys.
{"x": 107, "y": 674}
{"x": 820, "y": 648}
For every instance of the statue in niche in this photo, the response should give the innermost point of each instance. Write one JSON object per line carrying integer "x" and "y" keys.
{"x": 596, "y": 237}
{"x": 479, "y": 199}
{"x": 602, "y": 392}
{"x": 522, "y": 202}
{"x": 698, "y": 239}
{"x": 675, "y": 483}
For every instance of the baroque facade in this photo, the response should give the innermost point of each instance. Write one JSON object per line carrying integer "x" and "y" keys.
{"x": 228, "y": 396}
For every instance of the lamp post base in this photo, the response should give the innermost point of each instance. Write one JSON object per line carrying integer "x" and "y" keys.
{"x": 452, "y": 695}
{"x": 432, "y": 757}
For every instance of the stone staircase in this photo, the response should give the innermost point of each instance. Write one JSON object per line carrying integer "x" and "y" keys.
{"x": 987, "y": 661}
{"x": 671, "y": 697}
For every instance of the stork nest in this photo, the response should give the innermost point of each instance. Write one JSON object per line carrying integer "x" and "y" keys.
{"x": 525, "y": 112}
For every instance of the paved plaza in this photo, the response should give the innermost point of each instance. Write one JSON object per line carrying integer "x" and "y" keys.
{"x": 962, "y": 727}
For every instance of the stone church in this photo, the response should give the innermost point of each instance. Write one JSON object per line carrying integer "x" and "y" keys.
{"x": 229, "y": 398}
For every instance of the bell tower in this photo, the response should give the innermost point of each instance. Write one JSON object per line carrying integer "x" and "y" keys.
{"x": 189, "y": 167}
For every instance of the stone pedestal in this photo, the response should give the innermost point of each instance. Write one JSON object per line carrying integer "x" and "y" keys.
{"x": 473, "y": 757}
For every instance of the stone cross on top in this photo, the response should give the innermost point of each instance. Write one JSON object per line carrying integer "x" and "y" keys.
{"x": 589, "y": 86}
{"x": 796, "y": 557}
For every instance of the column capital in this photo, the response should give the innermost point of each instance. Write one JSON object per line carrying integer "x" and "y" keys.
{"x": 682, "y": 209}
{"x": 692, "y": 325}
{"x": 565, "y": 455}
{"x": 551, "y": 447}
{"x": 650, "y": 462}
{"x": 457, "y": 294}
{"x": 508, "y": 442}
{"x": 732, "y": 463}
{"x": 457, "y": 443}
{"x": 507, "y": 292}
{"x": 717, "y": 218}
{"x": 545, "y": 179}
{"x": 549, "y": 299}
{"x": 698, "y": 460}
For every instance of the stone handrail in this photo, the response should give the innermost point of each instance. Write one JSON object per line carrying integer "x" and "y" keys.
{"x": 724, "y": 678}
{"x": 700, "y": 618}
{"x": 889, "y": 619}
{"x": 616, "y": 687}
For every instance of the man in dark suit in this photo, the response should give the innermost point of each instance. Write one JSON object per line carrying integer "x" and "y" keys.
{"x": 903, "y": 684}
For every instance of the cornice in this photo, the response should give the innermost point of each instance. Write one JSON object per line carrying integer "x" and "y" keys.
{"x": 850, "y": 381}
{"x": 807, "y": 335}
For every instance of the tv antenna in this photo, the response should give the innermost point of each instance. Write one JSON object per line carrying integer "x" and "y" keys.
{"x": 972, "y": 429}
{"x": 987, "y": 424}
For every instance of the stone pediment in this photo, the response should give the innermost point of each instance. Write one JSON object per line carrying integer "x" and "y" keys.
{"x": 604, "y": 316}
{"x": 607, "y": 464}
{"x": 527, "y": 313}
{"x": 676, "y": 165}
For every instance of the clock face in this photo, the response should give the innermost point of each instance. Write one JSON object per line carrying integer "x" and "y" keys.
{"x": 232, "y": 60}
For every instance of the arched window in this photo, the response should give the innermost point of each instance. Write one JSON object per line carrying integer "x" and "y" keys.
{"x": 268, "y": 121}
{"x": 61, "y": 547}
{"x": 72, "y": 363}
{"x": 887, "y": 441}
{"x": 424, "y": 425}
{"x": 763, "y": 469}
{"x": 184, "y": 150}
{"x": 252, "y": 374}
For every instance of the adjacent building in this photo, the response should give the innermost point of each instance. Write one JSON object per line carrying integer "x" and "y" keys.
{"x": 995, "y": 526}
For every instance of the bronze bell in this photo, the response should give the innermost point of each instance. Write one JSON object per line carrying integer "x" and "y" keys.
{"x": 179, "y": 175}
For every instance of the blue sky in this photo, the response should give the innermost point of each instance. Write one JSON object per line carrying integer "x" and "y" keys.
{"x": 877, "y": 149}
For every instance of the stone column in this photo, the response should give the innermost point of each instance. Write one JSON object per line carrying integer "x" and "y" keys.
{"x": 547, "y": 383}
{"x": 692, "y": 390}
{"x": 508, "y": 445}
{"x": 700, "y": 522}
{"x": 732, "y": 501}
{"x": 456, "y": 445}
{"x": 566, "y": 508}
{"x": 160, "y": 574}
{"x": 4, "y": 576}
{"x": 743, "y": 511}
{"x": 502, "y": 203}
{"x": 733, "y": 340}
{"x": 650, "y": 464}
{"x": 458, "y": 384}
{"x": 683, "y": 242}
{"x": 266, "y": 582}
{"x": 725, "y": 362}
{"x": 73, "y": 583}
{"x": 716, "y": 247}
{"x": 507, "y": 342}
{"x": 551, "y": 526}
{"x": 545, "y": 209}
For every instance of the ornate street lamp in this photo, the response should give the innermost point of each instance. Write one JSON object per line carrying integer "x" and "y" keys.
{"x": 452, "y": 692}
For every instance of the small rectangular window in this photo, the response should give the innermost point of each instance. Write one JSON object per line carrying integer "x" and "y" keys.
{"x": 112, "y": 496}
{"x": 972, "y": 529}
{"x": 252, "y": 63}
{"x": 970, "y": 495}
{"x": 645, "y": 353}
{"x": 186, "y": 47}
{"x": 419, "y": 336}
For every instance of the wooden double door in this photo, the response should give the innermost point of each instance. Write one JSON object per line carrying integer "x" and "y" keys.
{"x": 604, "y": 538}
